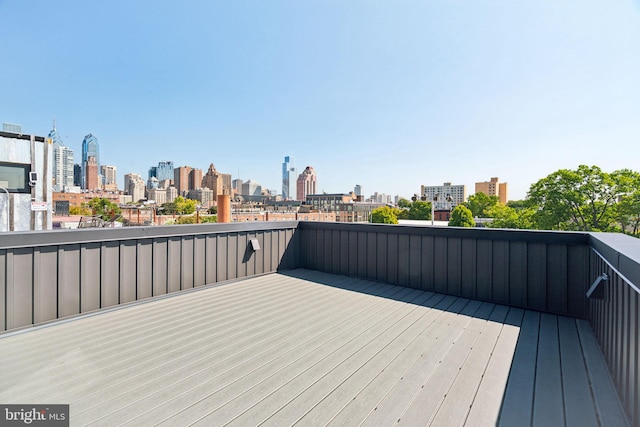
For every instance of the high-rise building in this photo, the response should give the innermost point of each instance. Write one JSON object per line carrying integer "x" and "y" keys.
{"x": 90, "y": 148}
{"x": 62, "y": 161}
{"x": 77, "y": 175}
{"x": 288, "y": 170}
{"x": 448, "y": 196}
{"x": 109, "y": 177}
{"x": 306, "y": 183}
{"x": 219, "y": 183}
{"x": 236, "y": 186}
{"x": 195, "y": 179}
{"x": 92, "y": 177}
{"x": 163, "y": 171}
{"x": 186, "y": 178}
{"x": 251, "y": 188}
{"x": 493, "y": 188}
{"x": 135, "y": 186}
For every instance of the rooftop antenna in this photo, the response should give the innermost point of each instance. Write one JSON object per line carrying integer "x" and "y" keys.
{"x": 54, "y": 124}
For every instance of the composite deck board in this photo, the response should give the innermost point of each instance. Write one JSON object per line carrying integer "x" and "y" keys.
{"x": 607, "y": 403}
{"x": 575, "y": 381}
{"x": 517, "y": 407}
{"x": 548, "y": 409}
{"x": 309, "y": 348}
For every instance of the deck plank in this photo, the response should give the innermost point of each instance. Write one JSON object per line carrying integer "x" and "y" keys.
{"x": 607, "y": 404}
{"x": 517, "y": 403}
{"x": 548, "y": 404}
{"x": 579, "y": 409}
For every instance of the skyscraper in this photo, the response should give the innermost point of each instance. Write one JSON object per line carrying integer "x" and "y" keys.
{"x": 219, "y": 183}
{"x": 62, "y": 161}
{"x": 90, "y": 148}
{"x": 306, "y": 183}
{"x": 163, "y": 171}
{"x": 109, "y": 177}
{"x": 92, "y": 177}
{"x": 288, "y": 169}
{"x": 187, "y": 178}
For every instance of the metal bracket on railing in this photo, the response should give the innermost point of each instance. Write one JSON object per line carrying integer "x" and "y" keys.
{"x": 596, "y": 291}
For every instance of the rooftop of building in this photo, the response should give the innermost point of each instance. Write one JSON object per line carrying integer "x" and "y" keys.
{"x": 322, "y": 323}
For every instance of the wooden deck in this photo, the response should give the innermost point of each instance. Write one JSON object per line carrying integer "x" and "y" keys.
{"x": 310, "y": 348}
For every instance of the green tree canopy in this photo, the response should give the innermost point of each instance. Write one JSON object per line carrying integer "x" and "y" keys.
{"x": 404, "y": 203}
{"x": 480, "y": 203}
{"x": 104, "y": 208}
{"x": 420, "y": 210}
{"x": 582, "y": 199}
{"x": 507, "y": 217}
{"x": 79, "y": 210}
{"x": 179, "y": 206}
{"x": 628, "y": 207}
{"x": 384, "y": 215}
{"x": 461, "y": 216}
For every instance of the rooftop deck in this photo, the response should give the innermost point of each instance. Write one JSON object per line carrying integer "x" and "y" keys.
{"x": 314, "y": 348}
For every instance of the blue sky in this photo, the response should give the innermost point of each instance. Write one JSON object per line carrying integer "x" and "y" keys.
{"x": 386, "y": 94}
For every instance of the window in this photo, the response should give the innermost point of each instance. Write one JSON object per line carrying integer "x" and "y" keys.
{"x": 15, "y": 177}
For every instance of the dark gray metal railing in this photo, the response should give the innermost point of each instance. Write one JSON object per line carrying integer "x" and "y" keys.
{"x": 56, "y": 274}
{"x": 51, "y": 275}
{"x": 614, "y": 313}
{"x": 539, "y": 270}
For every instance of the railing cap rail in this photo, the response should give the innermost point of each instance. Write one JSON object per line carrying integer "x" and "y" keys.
{"x": 536, "y": 236}
{"x": 19, "y": 239}
{"x": 621, "y": 251}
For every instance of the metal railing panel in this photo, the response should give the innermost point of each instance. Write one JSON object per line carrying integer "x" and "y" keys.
{"x": 524, "y": 269}
{"x": 49, "y": 275}
{"x": 615, "y": 320}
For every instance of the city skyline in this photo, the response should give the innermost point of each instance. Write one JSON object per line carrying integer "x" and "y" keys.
{"x": 389, "y": 97}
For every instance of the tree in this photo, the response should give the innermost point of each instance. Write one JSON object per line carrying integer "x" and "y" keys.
{"x": 104, "y": 208}
{"x": 461, "y": 216}
{"x": 404, "y": 203}
{"x": 628, "y": 207}
{"x": 79, "y": 210}
{"x": 384, "y": 215}
{"x": 582, "y": 199}
{"x": 420, "y": 210}
{"x": 185, "y": 220}
{"x": 179, "y": 206}
{"x": 480, "y": 203}
{"x": 507, "y": 217}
